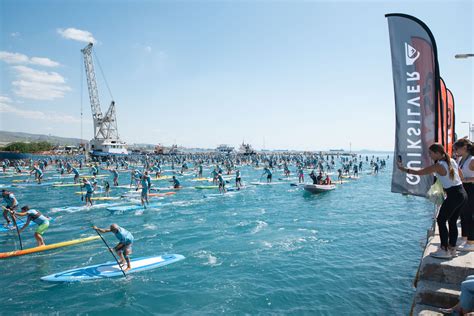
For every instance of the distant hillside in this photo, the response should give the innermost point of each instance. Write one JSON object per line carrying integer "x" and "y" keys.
{"x": 8, "y": 137}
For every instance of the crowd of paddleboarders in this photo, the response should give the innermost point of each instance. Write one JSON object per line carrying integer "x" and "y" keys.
{"x": 224, "y": 171}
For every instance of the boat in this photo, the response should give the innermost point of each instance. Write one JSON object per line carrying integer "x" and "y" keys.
{"x": 224, "y": 149}
{"x": 319, "y": 188}
{"x": 246, "y": 149}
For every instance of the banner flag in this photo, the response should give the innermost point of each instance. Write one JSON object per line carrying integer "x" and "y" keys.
{"x": 450, "y": 123}
{"x": 416, "y": 88}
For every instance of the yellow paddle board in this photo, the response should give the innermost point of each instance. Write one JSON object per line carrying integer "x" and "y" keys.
{"x": 60, "y": 185}
{"x": 16, "y": 253}
{"x": 105, "y": 198}
{"x": 84, "y": 192}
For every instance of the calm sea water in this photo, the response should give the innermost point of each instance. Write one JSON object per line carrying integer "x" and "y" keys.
{"x": 265, "y": 250}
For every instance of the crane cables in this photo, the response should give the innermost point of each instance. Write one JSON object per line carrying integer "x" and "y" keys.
{"x": 82, "y": 90}
{"x": 103, "y": 75}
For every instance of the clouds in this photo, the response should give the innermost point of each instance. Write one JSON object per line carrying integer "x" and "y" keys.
{"x": 17, "y": 58}
{"x": 7, "y": 107}
{"x": 38, "y": 85}
{"x": 77, "y": 35}
{"x": 34, "y": 84}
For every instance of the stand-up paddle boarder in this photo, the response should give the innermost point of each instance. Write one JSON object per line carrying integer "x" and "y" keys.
{"x": 124, "y": 247}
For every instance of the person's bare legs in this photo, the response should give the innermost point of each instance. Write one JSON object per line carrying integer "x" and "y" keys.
{"x": 39, "y": 240}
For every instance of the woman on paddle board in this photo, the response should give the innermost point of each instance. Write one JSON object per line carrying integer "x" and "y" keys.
{"x": 124, "y": 247}
{"x": 41, "y": 220}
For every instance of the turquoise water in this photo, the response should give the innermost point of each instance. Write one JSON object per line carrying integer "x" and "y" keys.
{"x": 265, "y": 250}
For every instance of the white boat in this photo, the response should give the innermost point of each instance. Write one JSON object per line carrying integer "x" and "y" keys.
{"x": 319, "y": 188}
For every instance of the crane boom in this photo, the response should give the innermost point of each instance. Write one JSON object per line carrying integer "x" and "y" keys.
{"x": 106, "y": 138}
{"x": 92, "y": 83}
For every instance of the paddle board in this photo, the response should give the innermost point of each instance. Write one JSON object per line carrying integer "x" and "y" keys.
{"x": 80, "y": 208}
{"x": 161, "y": 178}
{"x": 20, "y": 222}
{"x": 95, "y": 192}
{"x": 350, "y": 177}
{"x": 128, "y": 208}
{"x": 16, "y": 253}
{"x": 66, "y": 185}
{"x": 34, "y": 184}
{"x": 111, "y": 269}
{"x": 105, "y": 198}
{"x": 164, "y": 189}
{"x": 201, "y": 179}
{"x": 205, "y": 187}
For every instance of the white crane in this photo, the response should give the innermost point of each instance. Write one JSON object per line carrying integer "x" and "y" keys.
{"x": 106, "y": 139}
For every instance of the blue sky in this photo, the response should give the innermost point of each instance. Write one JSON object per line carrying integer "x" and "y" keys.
{"x": 295, "y": 75}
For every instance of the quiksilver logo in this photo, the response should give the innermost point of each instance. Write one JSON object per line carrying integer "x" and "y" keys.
{"x": 411, "y": 54}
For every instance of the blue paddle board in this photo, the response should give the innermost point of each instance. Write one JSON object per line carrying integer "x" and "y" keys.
{"x": 111, "y": 269}
{"x": 128, "y": 208}
{"x": 20, "y": 223}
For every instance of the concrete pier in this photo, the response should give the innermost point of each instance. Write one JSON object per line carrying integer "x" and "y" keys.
{"x": 438, "y": 282}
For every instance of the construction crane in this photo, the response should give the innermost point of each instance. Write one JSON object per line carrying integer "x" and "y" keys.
{"x": 106, "y": 138}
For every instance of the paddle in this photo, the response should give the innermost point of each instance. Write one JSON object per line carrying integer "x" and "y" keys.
{"x": 16, "y": 226}
{"x": 111, "y": 252}
{"x": 82, "y": 194}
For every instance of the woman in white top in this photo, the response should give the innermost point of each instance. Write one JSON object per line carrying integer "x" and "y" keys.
{"x": 464, "y": 150}
{"x": 447, "y": 172}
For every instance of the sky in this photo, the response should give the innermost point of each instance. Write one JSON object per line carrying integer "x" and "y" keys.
{"x": 304, "y": 75}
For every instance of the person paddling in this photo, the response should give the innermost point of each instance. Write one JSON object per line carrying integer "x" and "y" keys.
{"x": 238, "y": 179}
{"x": 221, "y": 183}
{"x": 266, "y": 171}
{"x": 41, "y": 220}
{"x": 38, "y": 173}
{"x": 12, "y": 204}
{"x": 76, "y": 174}
{"x": 89, "y": 190}
{"x": 124, "y": 247}
{"x": 176, "y": 183}
{"x": 145, "y": 189}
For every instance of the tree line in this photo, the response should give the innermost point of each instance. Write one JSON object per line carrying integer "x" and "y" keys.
{"x": 33, "y": 147}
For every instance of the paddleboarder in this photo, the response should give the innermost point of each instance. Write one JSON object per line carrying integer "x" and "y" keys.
{"x": 89, "y": 190}
{"x": 145, "y": 188}
{"x": 124, "y": 247}
{"x": 176, "y": 183}
{"x": 221, "y": 183}
{"x": 12, "y": 204}
{"x": 41, "y": 220}
{"x": 38, "y": 173}
{"x": 238, "y": 179}
{"x": 116, "y": 175}
{"x": 76, "y": 174}
{"x": 266, "y": 171}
